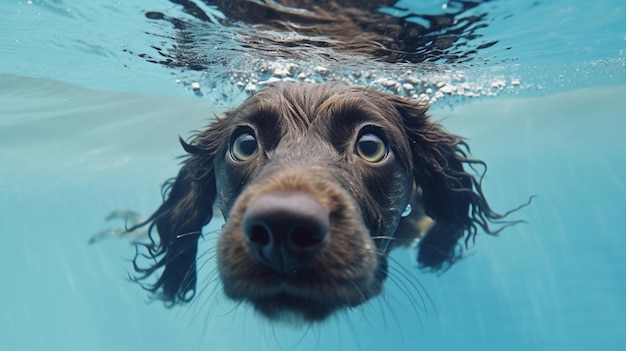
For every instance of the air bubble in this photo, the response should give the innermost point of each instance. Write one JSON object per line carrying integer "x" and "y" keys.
{"x": 407, "y": 210}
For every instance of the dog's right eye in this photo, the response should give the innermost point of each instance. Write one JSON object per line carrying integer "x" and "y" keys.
{"x": 371, "y": 148}
{"x": 243, "y": 147}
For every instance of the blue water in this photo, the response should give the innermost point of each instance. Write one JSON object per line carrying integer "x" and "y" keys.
{"x": 86, "y": 128}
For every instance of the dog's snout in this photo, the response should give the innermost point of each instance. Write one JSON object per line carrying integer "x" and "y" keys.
{"x": 285, "y": 230}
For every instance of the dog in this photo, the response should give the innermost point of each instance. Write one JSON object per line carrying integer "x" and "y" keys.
{"x": 315, "y": 183}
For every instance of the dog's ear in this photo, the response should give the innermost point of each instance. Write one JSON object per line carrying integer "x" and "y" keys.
{"x": 451, "y": 196}
{"x": 187, "y": 207}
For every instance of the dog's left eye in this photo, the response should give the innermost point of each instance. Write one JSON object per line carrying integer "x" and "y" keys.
{"x": 243, "y": 147}
{"x": 371, "y": 148}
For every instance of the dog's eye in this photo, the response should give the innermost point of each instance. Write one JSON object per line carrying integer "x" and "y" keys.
{"x": 244, "y": 147}
{"x": 371, "y": 148}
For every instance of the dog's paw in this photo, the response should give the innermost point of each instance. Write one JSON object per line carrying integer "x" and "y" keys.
{"x": 130, "y": 218}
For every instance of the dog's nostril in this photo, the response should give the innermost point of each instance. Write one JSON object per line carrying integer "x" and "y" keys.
{"x": 285, "y": 230}
{"x": 259, "y": 235}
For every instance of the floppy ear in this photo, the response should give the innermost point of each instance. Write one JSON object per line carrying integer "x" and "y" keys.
{"x": 451, "y": 196}
{"x": 187, "y": 207}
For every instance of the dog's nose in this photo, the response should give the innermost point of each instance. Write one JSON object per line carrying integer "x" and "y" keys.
{"x": 285, "y": 230}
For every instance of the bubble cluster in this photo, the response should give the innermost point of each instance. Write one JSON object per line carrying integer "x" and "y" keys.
{"x": 426, "y": 85}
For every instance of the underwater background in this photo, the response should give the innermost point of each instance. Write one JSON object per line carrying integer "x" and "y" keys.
{"x": 93, "y": 97}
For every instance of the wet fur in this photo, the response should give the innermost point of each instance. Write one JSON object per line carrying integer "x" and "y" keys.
{"x": 306, "y": 135}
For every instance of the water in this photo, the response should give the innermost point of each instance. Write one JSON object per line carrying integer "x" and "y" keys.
{"x": 88, "y": 125}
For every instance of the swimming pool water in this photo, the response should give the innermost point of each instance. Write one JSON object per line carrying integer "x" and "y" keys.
{"x": 87, "y": 127}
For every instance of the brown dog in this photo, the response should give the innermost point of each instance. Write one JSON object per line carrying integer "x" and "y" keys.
{"x": 314, "y": 181}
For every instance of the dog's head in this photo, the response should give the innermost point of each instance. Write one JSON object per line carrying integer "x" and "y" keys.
{"x": 313, "y": 180}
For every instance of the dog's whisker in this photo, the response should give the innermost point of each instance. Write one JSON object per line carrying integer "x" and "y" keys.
{"x": 384, "y": 237}
{"x": 188, "y": 283}
{"x": 212, "y": 282}
{"x": 387, "y": 308}
{"x": 211, "y": 233}
{"x": 407, "y": 283}
{"x": 353, "y": 332}
{"x": 381, "y": 309}
{"x": 191, "y": 272}
{"x": 277, "y": 340}
{"x": 210, "y": 302}
{"x": 207, "y": 256}
{"x": 364, "y": 316}
{"x": 412, "y": 279}
{"x": 212, "y": 276}
{"x": 386, "y": 241}
{"x": 399, "y": 283}
{"x": 362, "y": 296}
{"x": 224, "y": 313}
{"x": 301, "y": 339}
{"x": 180, "y": 236}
